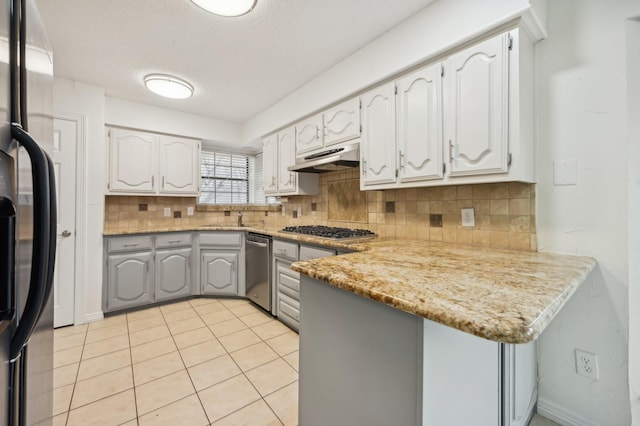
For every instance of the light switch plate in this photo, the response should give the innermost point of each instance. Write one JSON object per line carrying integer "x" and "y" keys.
{"x": 468, "y": 217}
{"x": 167, "y": 212}
{"x": 189, "y": 211}
{"x": 565, "y": 172}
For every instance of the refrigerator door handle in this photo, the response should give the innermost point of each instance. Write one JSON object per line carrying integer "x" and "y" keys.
{"x": 53, "y": 225}
{"x": 7, "y": 262}
{"x": 41, "y": 245}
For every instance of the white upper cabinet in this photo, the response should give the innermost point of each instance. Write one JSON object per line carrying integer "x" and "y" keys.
{"x": 340, "y": 123}
{"x": 270, "y": 164}
{"x": 278, "y": 153}
{"x": 147, "y": 164}
{"x": 286, "y": 158}
{"x": 477, "y": 88}
{"x": 132, "y": 162}
{"x": 309, "y": 134}
{"x": 378, "y": 144}
{"x": 179, "y": 165}
{"x": 419, "y": 120}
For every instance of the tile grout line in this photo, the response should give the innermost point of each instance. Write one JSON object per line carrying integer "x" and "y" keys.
{"x": 133, "y": 376}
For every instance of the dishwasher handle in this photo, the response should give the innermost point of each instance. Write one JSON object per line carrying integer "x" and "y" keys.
{"x": 255, "y": 243}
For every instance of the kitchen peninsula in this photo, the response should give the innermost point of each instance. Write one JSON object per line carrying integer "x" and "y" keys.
{"x": 444, "y": 334}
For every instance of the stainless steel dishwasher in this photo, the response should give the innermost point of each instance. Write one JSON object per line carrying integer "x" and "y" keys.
{"x": 257, "y": 248}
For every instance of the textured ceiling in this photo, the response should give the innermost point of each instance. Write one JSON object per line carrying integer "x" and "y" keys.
{"x": 238, "y": 66}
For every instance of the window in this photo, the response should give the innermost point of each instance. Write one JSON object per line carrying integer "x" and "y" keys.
{"x": 224, "y": 178}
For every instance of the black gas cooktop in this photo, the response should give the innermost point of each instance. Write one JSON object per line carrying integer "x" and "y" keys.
{"x": 329, "y": 231}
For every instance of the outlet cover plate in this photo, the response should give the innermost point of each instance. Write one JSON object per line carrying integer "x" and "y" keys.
{"x": 587, "y": 364}
{"x": 468, "y": 217}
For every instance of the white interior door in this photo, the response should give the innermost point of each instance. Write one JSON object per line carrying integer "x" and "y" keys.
{"x": 64, "y": 159}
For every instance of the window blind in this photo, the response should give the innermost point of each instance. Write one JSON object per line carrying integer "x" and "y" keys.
{"x": 224, "y": 178}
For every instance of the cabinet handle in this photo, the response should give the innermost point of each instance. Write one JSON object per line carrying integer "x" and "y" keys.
{"x": 364, "y": 167}
{"x": 162, "y": 182}
{"x": 317, "y": 132}
{"x": 130, "y": 245}
{"x": 174, "y": 241}
{"x": 450, "y": 150}
{"x": 401, "y": 159}
{"x": 153, "y": 181}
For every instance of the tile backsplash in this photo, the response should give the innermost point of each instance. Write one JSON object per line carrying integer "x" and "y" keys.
{"x": 504, "y": 212}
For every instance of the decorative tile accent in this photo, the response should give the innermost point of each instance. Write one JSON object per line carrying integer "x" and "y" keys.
{"x": 346, "y": 202}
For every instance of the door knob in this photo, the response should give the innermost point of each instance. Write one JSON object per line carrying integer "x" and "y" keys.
{"x": 66, "y": 233}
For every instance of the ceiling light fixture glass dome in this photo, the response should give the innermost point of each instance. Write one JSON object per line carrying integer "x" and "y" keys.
{"x": 226, "y": 7}
{"x": 168, "y": 86}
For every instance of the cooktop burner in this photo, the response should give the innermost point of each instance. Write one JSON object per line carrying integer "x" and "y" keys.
{"x": 329, "y": 231}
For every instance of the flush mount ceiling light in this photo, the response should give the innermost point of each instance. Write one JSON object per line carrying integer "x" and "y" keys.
{"x": 168, "y": 86}
{"x": 226, "y": 7}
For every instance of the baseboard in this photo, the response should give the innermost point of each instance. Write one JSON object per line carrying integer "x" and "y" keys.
{"x": 560, "y": 415}
{"x": 96, "y": 316}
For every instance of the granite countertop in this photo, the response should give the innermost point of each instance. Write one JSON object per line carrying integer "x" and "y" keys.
{"x": 500, "y": 295}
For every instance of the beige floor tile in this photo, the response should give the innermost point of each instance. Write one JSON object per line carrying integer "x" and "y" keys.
{"x": 144, "y": 323}
{"x": 200, "y": 301}
{"x": 69, "y": 330}
{"x": 62, "y": 399}
{"x": 133, "y": 422}
{"x": 144, "y": 313}
{"x": 178, "y": 327}
{"x": 149, "y": 335}
{"x": 67, "y": 356}
{"x": 209, "y": 308}
{"x": 212, "y": 372}
{"x": 285, "y": 404}
{"x": 256, "y": 414}
{"x": 60, "y": 419}
{"x": 65, "y": 375}
{"x": 272, "y": 376}
{"x": 108, "y": 322}
{"x": 230, "y": 303}
{"x": 103, "y": 347}
{"x": 104, "y": 364}
{"x": 293, "y": 359}
{"x": 158, "y": 393}
{"x": 152, "y": 349}
{"x": 67, "y": 342}
{"x": 102, "y": 386}
{"x": 538, "y": 420}
{"x": 256, "y": 318}
{"x": 253, "y": 356}
{"x": 187, "y": 412}
{"x": 180, "y": 315}
{"x": 229, "y": 396}
{"x": 245, "y": 309}
{"x": 172, "y": 307}
{"x": 284, "y": 344}
{"x": 227, "y": 327}
{"x": 202, "y": 352}
{"x": 239, "y": 340}
{"x": 155, "y": 368}
{"x": 106, "y": 332}
{"x": 218, "y": 316}
{"x": 114, "y": 410}
{"x": 193, "y": 337}
{"x": 270, "y": 329}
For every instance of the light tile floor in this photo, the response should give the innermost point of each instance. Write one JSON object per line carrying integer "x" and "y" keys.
{"x": 198, "y": 362}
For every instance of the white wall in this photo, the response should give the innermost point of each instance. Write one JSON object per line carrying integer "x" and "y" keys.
{"x": 430, "y": 32}
{"x": 82, "y": 100}
{"x": 633, "y": 76}
{"x": 582, "y": 114}
{"x": 125, "y": 113}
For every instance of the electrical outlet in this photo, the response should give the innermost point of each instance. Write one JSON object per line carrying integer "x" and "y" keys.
{"x": 190, "y": 211}
{"x": 587, "y": 364}
{"x": 167, "y": 212}
{"x": 468, "y": 217}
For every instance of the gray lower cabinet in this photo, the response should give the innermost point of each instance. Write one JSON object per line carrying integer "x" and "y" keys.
{"x": 130, "y": 280}
{"x": 173, "y": 273}
{"x": 219, "y": 272}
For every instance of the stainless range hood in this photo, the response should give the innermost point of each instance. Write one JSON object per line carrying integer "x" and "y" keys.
{"x": 339, "y": 158}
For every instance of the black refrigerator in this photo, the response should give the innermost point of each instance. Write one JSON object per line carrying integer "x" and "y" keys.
{"x": 27, "y": 217}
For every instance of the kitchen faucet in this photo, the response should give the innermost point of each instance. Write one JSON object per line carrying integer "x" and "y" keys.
{"x": 240, "y": 219}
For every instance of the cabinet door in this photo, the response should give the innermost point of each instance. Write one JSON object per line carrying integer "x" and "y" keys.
{"x": 132, "y": 160}
{"x": 173, "y": 273}
{"x": 476, "y": 82}
{"x": 129, "y": 280}
{"x": 309, "y": 135}
{"x": 286, "y": 158}
{"x": 219, "y": 272}
{"x": 378, "y": 144}
{"x": 420, "y": 125}
{"x": 342, "y": 122}
{"x": 270, "y": 164}
{"x": 179, "y": 166}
